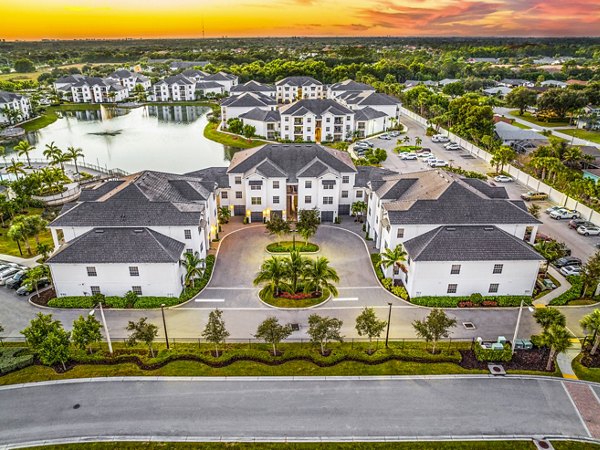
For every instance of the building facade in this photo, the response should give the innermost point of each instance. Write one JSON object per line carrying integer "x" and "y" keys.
{"x": 14, "y": 108}
{"x": 291, "y": 89}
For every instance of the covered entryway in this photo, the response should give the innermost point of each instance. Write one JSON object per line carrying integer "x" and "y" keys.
{"x": 292, "y": 202}
{"x": 326, "y": 216}
{"x": 239, "y": 210}
{"x": 256, "y": 217}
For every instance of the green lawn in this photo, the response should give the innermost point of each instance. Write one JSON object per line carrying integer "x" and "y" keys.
{"x": 210, "y": 132}
{"x": 21, "y": 76}
{"x": 9, "y": 247}
{"x": 585, "y": 373}
{"x": 49, "y": 116}
{"x": 287, "y": 246}
{"x": 531, "y": 118}
{"x": 520, "y": 125}
{"x": 593, "y": 136}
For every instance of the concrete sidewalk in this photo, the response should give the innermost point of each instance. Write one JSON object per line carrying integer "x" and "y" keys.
{"x": 565, "y": 359}
{"x": 564, "y": 287}
{"x": 27, "y": 262}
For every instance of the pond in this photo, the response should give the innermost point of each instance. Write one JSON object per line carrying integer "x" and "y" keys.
{"x": 162, "y": 138}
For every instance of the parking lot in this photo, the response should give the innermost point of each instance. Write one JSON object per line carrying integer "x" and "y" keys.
{"x": 581, "y": 246}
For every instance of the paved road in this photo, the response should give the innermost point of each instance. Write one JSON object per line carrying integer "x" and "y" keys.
{"x": 274, "y": 407}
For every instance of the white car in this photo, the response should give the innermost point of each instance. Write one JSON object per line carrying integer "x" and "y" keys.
{"x": 385, "y": 137}
{"x": 503, "y": 179}
{"x": 430, "y": 158}
{"x": 449, "y": 144}
{"x": 564, "y": 213}
{"x": 553, "y": 208}
{"x": 588, "y": 231}
{"x": 408, "y": 156}
{"x": 7, "y": 274}
{"x": 394, "y": 133}
{"x": 424, "y": 155}
{"x": 453, "y": 147}
{"x": 439, "y": 138}
{"x": 438, "y": 163}
{"x": 570, "y": 270}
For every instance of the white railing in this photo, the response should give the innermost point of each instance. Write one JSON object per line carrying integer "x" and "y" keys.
{"x": 61, "y": 198}
{"x": 80, "y": 164}
{"x": 531, "y": 182}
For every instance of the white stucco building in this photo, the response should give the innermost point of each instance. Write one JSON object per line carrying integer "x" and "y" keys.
{"x": 348, "y": 86}
{"x": 234, "y": 106}
{"x": 316, "y": 120}
{"x": 256, "y": 87}
{"x": 92, "y": 89}
{"x": 291, "y": 89}
{"x": 14, "y": 107}
{"x": 175, "y": 88}
{"x": 130, "y": 79}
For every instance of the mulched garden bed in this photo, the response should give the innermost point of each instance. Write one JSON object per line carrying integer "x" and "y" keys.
{"x": 44, "y": 297}
{"x": 535, "y": 359}
{"x": 590, "y": 361}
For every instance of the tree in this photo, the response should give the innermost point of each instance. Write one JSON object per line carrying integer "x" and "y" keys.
{"x": 418, "y": 141}
{"x": 590, "y": 274}
{"x": 38, "y": 330}
{"x": 367, "y": 324}
{"x": 55, "y": 348}
{"x": 272, "y": 332}
{"x": 215, "y": 330}
{"x": 324, "y": 329}
{"x": 455, "y": 89}
{"x": 521, "y": 98}
{"x": 235, "y": 125}
{"x": 44, "y": 250}
{"x": 86, "y": 331}
{"x": 74, "y": 154}
{"x": 16, "y": 168}
{"x": 34, "y": 276}
{"x": 51, "y": 150}
{"x": 502, "y": 156}
{"x": 248, "y": 131}
{"x": 142, "y": 331}
{"x": 434, "y": 327}
{"x": 295, "y": 266}
{"x": 358, "y": 209}
{"x": 318, "y": 275}
{"x": 277, "y": 226}
{"x": 273, "y": 271}
{"x": 546, "y": 317}
{"x": 534, "y": 210}
{"x": 591, "y": 324}
{"x": 224, "y": 214}
{"x": 24, "y": 65}
{"x": 194, "y": 267}
{"x": 558, "y": 339}
{"x": 308, "y": 223}
{"x": 18, "y": 232}
{"x": 551, "y": 250}
{"x": 559, "y": 102}
{"x": 36, "y": 225}
{"x": 393, "y": 257}
{"x": 23, "y": 148}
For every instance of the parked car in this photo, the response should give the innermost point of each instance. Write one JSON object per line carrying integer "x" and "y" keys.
{"x": 394, "y": 133}
{"x": 564, "y": 214}
{"x": 27, "y": 289}
{"x": 366, "y": 144}
{"x": 385, "y": 137}
{"x": 576, "y": 223}
{"x": 453, "y": 147}
{"x": 532, "y": 195}
{"x": 424, "y": 155}
{"x": 448, "y": 144}
{"x": 589, "y": 231}
{"x": 553, "y": 208}
{"x": 408, "y": 156}
{"x": 567, "y": 261}
{"x": 503, "y": 179}
{"x": 438, "y": 163}
{"x": 7, "y": 274}
{"x": 430, "y": 158}
{"x": 570, "y": 270}
{"x": 439, "y": 138}
{"x": 17, "y": 279}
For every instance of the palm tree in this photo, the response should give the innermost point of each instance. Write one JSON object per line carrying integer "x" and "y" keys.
{"x": 60, "y": 158}
{"x": 73, "y": 154}
{"x": 193, "y": 267}
{"x": 591, "y": 324}
{"x": 16, "y": 168}
{"x": 558, "y": 339}
{"x": 23, "y": 148}
{"x": 418, "y": 141}
{"x": 273, "y": 271}
{"x": 318, "y": 276}
{"x": 51, "y": 150}
{"x": 393, "y": 257}
{"x": 50, "y": 178}
{"x": 295, "y": 267}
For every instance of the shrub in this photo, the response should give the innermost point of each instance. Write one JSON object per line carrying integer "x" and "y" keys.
{"x": 72, "y": 302}
{"x": 489, "y": 355}
{"x": 400, "y": 291}
{"x": 115, "y": 302}
{"x": 375, "y": 260}
{"x": 465, "y": 173}
{"x": 14, "y": 358}
{"x": 572, "y": 294}
{"x": 155, "y": 302}
{"x": 476, "y": 298}
{"x": 466, "y": 302}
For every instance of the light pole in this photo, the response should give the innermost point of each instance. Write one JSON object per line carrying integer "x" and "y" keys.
{"x": 110, "y": 349}
{"x": 162, "y": 310}
{"x": 387, "y": 332}
{"x": 294, "y": 231}
{"x": 518, "y": 324}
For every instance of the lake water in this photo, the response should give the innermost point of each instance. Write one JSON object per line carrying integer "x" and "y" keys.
{"x": 163, "y": 138}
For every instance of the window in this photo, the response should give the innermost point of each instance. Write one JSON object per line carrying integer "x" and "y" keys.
{"x": 91, "y": 271}
{"x": 328, "y": 200}
{"x": 498, "y": 268}
{"x": 134, "y": 271}
{"x": 328, "y": 119}
{"x": 400, "y": 233}
{"x": 224, "y": 195}
{"x": 255, "y": 187}
{"x": 189, "y": 250}
{"x": 201, "y": 247}
{"x": 344, "y": 194}
{"x": 137, "y": 290}
{"x": 308, "y": 129}
{"x": 238, "y": 180}
{"x": 455, "y": 269}
{"x": 238, "y": 195}
{"x": 187, "y": 234}
{"x": 359, "y": 194}
{"x": 276, "y": 199}
{"x": 95, "y": 290}
{"x": 256, "y": 201}
{"x": 275, "y": 184}
{"x": 452, "y": 288}
{"x": 308, "y": 199}
{"x": 345, "y": 179}
{"x": 493, "y": 288}
{"x": 308, "y": 184}
{"x": 328, "y": 186}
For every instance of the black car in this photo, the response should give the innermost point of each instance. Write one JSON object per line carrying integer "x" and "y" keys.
{"x": 567, "y": 261}
{"x": 16, "y": 281}
{"x": 27, "y": 289}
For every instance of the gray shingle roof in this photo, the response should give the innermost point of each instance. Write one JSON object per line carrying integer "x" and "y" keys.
{"x": 261, "y": 115}
{"x": 7, "y": 97}
{"x": 95, "y": 192}
{"x": 398, "y": 189}
{"x": 268, "y": 169}
{"x": 483, "y": 187}
{"x": 508, "y": 132}
{"x": 298, "y": 81}
{"x": 368, "y": 113}
{"x": 176, "y": 79}
{"x": 469, "y": 243}
{"x": 370, "y": 173}
{"x": 292, "y": 158}
{"x": 249, "y": 99}
{"x": 317, "y": 107}
{"x": 212, "y": 174}
{"x": 351, "y": 85}
{"x": 221, "y": 76}
{"x": 119, "y": 245}
{"x": 253, "y": 86}
{"x": 208, "y": 85}
{"x": 315, "y": 169}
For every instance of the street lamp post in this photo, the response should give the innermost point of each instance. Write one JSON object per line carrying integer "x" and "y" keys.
{"x": 162, "y": 310}
{"x": 294, "y": 238}
{"x": 387, "y": 333}
{"x": 110, "y": 349}
{"x": 518, "y": 325}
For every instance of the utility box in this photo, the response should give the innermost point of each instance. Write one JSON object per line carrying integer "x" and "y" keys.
{"x": 523, "y": 344}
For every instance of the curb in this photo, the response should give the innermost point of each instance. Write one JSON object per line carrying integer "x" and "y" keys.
{"x": 293, "y": 309}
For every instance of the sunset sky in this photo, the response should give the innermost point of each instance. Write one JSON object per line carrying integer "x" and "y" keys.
{"x": 67, "y": 19}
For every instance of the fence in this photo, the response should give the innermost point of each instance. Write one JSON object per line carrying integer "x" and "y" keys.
{"x": 531, "y": 182}
{"x": 80, "y": 164}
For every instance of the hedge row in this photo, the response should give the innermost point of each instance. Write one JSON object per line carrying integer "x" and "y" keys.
{"x": 452, "y": 302}
{"x": 14, "y": 358}
{"x": 572, "y": 294}
{"x": 141, "y": 302}
{"x": 489, "y": 355}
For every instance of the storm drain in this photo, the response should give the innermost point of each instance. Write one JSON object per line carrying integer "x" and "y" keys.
{"x": 468, "y": 325}
{"x": 76, "y": 406}
{"x": 295, "y": 326}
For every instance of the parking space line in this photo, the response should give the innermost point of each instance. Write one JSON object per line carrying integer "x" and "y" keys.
{"x": 210, "y": 300}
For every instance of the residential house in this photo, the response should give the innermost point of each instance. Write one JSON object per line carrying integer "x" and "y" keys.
{"x": 316, "y": 120}
{"x": 413, "y": 83}
{"x": 130, "y": 79}
{"x": 446, "y": 81}
{"x": 14, "y": 108}
{"x": 195, "y": 74}
{"x": 498, "y": 91}
{"x": 255, "y": 87}
{"x": 179, "y": 65}
{"x": 589, "y": 119}
{"x": 425, "y": 211}
{"x": 369, "y": 121}
{"x": 553, "y": 84}
{"x": 130, "y": 234}
{"x": 209, "y": 89}
{"x": 291, "y": 89}
{"x": 515, "y": 82}
{"x": 226, "y": 80}
{"x": 523, "y": 141}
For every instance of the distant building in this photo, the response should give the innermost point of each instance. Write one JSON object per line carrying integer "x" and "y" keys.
{"x": 234, "y": 106}
{"x": 499, "y": 91}
{"x": 522, "y": 141}
{"x": 348, "y": 86}
{"x": 14, "y": 107}
{"x": 554, "y": 83}
{"x": 254, "y": 87}
{"x": 179, "y": 65}
{"x": 82, "y": 89}
{"x": 316, "y": 120}
{"x": 174, "y": 88}
{"x": 515, "y": 82}
{"x": 130, "y": 79}
{"x": 291, "y": 89}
